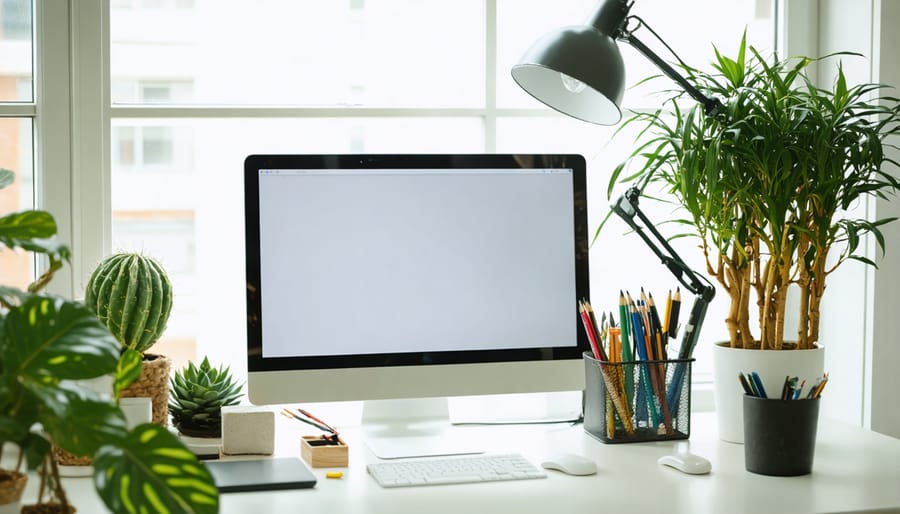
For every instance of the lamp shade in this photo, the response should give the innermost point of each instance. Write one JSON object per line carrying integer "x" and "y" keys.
{"x": 578, "y": 71}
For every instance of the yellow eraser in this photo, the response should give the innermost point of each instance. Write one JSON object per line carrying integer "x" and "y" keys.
{"x": 334, "y": 474}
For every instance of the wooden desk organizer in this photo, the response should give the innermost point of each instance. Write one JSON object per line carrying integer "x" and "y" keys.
{"x": 318, "y": 453}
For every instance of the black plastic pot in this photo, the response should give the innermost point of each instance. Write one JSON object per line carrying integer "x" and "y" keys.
{"x": 780, "y": 435}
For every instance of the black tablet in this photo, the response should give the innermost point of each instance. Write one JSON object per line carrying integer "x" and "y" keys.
{"x": 233, "y": 476}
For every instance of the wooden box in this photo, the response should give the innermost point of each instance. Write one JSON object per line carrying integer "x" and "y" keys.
{"x": 319, "y": 453}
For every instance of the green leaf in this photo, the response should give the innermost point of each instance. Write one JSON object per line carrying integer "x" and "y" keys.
{"x": 12, "y": 295}
{"x": 12, "y": 428}
{"x": 6, "y": 177}
{"x": 128, "y": 369}
{"x": 35, "y": 448}
{"x": 79, "y": 419}
{"x": 152, "y": 471}
{"x": 20, "y": 228}
{"x": 57, "y": 339}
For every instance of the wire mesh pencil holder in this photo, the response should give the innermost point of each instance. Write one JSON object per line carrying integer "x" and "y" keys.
{"x": 637, "y": 401}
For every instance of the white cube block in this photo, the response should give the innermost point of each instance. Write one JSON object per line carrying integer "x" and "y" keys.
{"x": 248, "y": 430}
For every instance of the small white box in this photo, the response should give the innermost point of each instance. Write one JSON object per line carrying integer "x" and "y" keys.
{"x": 248, "y": 430}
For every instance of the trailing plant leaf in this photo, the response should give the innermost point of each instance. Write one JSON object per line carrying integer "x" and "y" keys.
{"x": 128, "y": 370}
{"x": 86, "y": 422}
{"x": 56, "y": 339}
{"x": 19, "y": 228}
{"x": 151, "y": 468}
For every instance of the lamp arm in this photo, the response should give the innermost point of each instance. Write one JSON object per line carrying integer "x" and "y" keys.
{"x": 710, "y": 105}
{"x": 627, "y": 208}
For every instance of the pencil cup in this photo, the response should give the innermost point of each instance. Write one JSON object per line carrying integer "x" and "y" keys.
{"x": 636, "y": 401}
{"x": 780, "y": 435}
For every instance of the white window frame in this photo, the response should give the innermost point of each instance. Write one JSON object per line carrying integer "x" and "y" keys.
{"x": 72, "y": 137}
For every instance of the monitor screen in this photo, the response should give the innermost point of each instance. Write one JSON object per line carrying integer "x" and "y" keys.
{"x": 407, "y": 276}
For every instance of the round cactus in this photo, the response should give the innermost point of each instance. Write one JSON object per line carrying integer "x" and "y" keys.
{"x": 132, "y": 296}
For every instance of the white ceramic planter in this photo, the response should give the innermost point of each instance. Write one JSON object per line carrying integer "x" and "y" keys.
{"x": 137, "y": 410}
{"x": 772, "y": 367}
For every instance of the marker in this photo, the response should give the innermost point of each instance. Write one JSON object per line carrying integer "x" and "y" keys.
{"x": 754, "y": 377}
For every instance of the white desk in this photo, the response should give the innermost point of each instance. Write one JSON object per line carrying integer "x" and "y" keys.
{"x": 854, "y": 470}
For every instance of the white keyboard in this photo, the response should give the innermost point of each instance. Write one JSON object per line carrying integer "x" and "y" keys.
{"x": 454, "y": 470}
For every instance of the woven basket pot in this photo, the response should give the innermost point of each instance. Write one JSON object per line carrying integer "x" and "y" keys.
{"x": 153, "y": 383}
{"x": 48, "y": 508}
{"x": 65, "y": 458}
{"x": 12, "y": 484}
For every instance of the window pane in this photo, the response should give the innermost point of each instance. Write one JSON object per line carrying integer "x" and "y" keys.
{"x": 16, "y": 69}
{"x": 619, "y": 259}
{"x": 189, "y": 213}
{"x": 380, "y": 53}
{"x": 519, "y": 24}
{"x": 680, "y": 24}
{"x": 16, "y": 268}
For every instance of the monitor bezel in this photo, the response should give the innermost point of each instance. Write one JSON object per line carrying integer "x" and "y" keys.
{"x": 258, "y": 363}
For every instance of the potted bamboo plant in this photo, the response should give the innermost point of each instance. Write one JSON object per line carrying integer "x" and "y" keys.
{"x": 47, "y": 345}
{"x": 765, "y": 184}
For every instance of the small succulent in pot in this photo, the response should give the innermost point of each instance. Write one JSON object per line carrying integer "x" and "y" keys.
{"x": 198, "y": 395}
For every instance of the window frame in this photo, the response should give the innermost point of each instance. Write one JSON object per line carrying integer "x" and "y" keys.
{"x": 73, "y": 117}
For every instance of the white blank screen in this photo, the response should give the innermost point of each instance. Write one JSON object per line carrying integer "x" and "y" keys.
{"x": 395, "y": 261}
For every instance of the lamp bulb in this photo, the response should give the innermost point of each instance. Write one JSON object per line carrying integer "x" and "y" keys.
{"x": 572, "y": 85}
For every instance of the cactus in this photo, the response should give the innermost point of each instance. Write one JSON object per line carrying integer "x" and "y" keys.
{"x": 132, "y": 296}
{"x": 198, "y": 395}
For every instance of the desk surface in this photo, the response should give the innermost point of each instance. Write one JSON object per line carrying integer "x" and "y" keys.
{"x": 854, "y": 470}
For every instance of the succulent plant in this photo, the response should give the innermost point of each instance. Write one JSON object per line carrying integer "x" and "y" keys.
{"x": 132, "y": 296}
{"x": 198, "y": 395}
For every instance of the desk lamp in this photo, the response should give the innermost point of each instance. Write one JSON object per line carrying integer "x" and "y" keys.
{"x": 579, "y": 72}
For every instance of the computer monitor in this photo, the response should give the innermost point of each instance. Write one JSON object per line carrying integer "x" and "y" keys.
{"x": 374, "y": 277}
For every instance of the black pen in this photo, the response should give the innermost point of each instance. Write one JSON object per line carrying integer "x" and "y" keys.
{"x": 745, "y": 385}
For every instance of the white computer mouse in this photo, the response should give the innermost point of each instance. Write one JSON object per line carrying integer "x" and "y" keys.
{"x": 685, "y": 462}
{"x": 570, "y": 464}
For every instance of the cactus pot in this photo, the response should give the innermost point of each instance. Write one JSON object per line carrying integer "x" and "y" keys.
{"x": 153, "y": 383}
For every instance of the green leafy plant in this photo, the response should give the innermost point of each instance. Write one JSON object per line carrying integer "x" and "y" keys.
{"x": 198, "y": 395}
{"x": 766, "y": 182}
{"x": 132, "y": 296}
{"x": 47, "y": 345}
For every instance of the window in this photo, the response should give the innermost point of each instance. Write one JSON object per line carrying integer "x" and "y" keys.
{"x": 379, "y": 76}
{"x": 15, "y": 20}
{"x": 17, "y": 112}
{"x": 186, "y": 104}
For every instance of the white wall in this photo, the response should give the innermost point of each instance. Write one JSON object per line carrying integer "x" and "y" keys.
{"x": 881, "y": 406}
{"x": 859, "y": 315}
{"x": 864, "y": 313}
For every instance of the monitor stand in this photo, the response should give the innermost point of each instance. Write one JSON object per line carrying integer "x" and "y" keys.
{"x": 394, "y": 429}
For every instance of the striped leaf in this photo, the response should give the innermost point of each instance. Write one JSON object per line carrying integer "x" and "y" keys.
{"x": 150, "y": 471}
{"x": 128, "y": 370}
{"x": 56, "y": 339}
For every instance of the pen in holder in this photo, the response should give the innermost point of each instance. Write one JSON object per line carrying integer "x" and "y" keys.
{"x": 635, "y": 401}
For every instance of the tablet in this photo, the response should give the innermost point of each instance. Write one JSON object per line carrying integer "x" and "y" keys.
{"x": 233, "y": 476}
